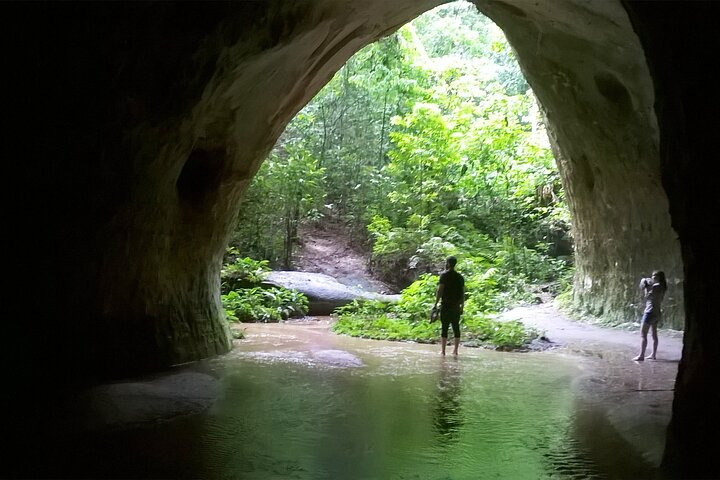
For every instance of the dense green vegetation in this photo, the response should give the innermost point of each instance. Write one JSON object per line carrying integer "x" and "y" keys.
{"x": 408, "y": 320}
{"x": 427, "y": 143}
{"x": 245, "y": 300}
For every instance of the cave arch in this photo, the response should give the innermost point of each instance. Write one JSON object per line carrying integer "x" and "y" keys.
{"x": 129, "y": 93}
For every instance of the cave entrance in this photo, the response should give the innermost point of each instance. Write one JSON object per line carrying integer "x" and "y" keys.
{"x": 598, "y": 105}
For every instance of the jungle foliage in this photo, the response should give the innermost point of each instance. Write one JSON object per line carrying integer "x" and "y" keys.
{"x": 427, "y": 143}
{"x": 408, "y": 320}
{"x": 246, "y": 300}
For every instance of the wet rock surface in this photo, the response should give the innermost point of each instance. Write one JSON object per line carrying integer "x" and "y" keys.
{"x": 144, "y": 402}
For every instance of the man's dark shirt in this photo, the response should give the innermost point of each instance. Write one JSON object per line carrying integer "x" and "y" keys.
{"x": 452, "y": 295}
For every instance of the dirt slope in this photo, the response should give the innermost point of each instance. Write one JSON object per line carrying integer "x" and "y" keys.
{"x": 327, "y": 249}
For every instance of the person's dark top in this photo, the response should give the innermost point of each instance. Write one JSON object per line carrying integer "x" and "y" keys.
{"x": 653, "y": 293}
{"x": 453, "y": 291}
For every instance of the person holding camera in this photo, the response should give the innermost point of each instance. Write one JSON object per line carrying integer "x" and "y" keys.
{"x": 653, "y": 290}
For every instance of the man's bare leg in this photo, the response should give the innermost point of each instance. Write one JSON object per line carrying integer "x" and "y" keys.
{"x": 457, "y": 344}
{"x": 443, "y": 342}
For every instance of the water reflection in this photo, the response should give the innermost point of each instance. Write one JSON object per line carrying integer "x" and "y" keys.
{"x": 320, "y": 407}
{"x": 447, "y": 411}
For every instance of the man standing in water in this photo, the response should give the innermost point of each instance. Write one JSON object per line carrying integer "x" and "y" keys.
{"x": 451, "y": 291}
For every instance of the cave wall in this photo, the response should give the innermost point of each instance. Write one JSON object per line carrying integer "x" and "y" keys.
{"x": 587, "y": 69}
{"x": 150, "y": 120}
{"x": 682, "y": 47}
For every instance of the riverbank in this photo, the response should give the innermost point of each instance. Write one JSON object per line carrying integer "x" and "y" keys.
{"x": 634, "y": 397}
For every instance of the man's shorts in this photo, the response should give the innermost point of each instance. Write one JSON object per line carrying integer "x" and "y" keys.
{"x": 651, "y": 318}
{"x": 450, "y": 317}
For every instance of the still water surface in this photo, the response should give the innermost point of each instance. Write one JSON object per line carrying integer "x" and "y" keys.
{"x": 299, "y": 406}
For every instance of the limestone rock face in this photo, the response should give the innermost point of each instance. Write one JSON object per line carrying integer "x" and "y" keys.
{"x": 588, "y": 70}
{"x": 156, "y": 117}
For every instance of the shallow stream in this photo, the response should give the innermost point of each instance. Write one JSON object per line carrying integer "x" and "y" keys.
{"x": 296, "y": 402}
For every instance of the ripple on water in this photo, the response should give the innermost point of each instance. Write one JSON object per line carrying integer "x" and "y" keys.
{"x": 351, "y": 409}
{"x": 410, "y": 413}
{"x": 315, "y": 358}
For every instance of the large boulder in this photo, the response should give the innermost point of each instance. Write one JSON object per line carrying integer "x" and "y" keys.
{"x": 324, "y": 292}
